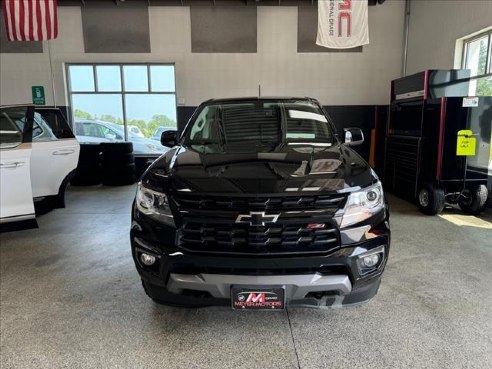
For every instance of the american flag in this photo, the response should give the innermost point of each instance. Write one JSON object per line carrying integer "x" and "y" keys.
{"x": 30, "y": 20}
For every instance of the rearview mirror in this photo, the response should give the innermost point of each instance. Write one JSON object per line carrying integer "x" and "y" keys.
{"x": 353, "y": 136}
{"x": 169, "y": 138}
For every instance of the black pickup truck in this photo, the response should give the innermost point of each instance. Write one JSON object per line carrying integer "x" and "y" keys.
{"x": 259, "y": 205}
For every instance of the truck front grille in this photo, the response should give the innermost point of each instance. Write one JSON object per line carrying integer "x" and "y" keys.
{"x": 257, "y": 240}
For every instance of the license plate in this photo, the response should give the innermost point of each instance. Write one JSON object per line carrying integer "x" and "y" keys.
{"x": 252, "y": 298}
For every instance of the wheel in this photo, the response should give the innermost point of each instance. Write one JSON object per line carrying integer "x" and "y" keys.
{"x": 431, "y": 200}
{"x": 88, "y": 170}
{"x": 87, "y": 175}
{"x": 110, "y": 158}
{"x": 119, "y": 181}
{"x": 117, "y": 147}
{"x": 89, "y": 153}
{"x": 119, "y": 175}
{"x": 58, "y": 201}
{"x": 473, "y": 201}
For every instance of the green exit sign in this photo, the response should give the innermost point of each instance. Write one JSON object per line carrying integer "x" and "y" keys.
{"x": 38, "y": 95}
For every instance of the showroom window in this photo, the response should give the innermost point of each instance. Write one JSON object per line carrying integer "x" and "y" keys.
{"x": 477, "y": 58}
{"x": 117, "y": 102}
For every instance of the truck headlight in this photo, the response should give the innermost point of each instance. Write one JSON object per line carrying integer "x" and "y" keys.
{"x": 154, "y": 204}
{"x": 362, "y": 205}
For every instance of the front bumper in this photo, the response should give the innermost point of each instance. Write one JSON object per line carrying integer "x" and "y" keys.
{"x": 332, "y": 280}
{"x": 296, "y": 286}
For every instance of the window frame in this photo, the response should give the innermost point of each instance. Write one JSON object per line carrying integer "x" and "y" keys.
{"x": 488, "y": 60}
{"x": 122, "y": 92}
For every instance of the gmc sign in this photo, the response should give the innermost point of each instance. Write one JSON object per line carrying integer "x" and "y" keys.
{"x": 345, "y": 18}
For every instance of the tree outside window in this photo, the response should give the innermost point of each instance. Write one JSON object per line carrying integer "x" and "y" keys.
{"x": 477, "y": 58}
{"x": 117, "y": 102}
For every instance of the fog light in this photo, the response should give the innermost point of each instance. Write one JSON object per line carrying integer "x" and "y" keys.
{"x": 147, "y": 259}
{"x": 370, "y": 260}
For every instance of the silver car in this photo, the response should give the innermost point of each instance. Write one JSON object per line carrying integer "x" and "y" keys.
{"x": 92, "y": 130}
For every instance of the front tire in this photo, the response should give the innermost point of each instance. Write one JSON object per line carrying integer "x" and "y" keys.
{"x": 431, "y": 200}
{"x": 474, "y": 201}
{"x": 59, "y": 200}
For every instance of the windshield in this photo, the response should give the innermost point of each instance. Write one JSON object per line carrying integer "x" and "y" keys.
{"x": 247, "y": 126}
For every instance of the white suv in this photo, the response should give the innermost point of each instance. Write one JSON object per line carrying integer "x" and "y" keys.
{"x": 38, "y": 154}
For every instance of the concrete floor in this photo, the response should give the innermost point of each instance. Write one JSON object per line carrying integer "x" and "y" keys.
{"x": 71, "y": 298}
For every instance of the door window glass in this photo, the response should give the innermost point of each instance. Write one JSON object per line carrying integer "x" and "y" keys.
{"x": 41, "y": 131}
{"x": 57, "y": 122}
{"x": 10, "y": 133}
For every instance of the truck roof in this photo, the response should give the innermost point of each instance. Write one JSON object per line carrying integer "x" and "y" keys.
{"x": 259, "y": 98}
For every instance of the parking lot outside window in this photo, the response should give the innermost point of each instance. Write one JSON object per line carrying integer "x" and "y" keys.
{"x": 118, "y": 102}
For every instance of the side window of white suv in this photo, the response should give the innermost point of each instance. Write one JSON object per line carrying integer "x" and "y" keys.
{"x": 10, "y": 134}
{"x": 41, "y": 131}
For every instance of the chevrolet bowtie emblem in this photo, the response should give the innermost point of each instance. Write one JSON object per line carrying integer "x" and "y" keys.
{"x": 257, "y": 218}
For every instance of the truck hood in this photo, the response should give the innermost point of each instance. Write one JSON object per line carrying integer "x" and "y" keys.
{"x": 287, "y": 169}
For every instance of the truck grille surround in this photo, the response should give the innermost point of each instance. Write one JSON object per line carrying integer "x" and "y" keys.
{"x": 208, "y": 225}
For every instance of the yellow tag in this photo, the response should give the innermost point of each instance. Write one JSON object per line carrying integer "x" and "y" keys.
{"x": 466, "y": 145}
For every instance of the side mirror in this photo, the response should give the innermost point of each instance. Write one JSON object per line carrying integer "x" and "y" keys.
{"x": 169, "y": 138}
{"x": 110, "y": 136}
{"x": 353, "y": 136}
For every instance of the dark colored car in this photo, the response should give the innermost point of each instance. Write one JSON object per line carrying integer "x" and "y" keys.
{"x": 258, "y": 204}
{"x": 158, "y": 132}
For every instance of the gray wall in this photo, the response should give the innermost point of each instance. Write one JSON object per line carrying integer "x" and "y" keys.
{"x": 436, "y": 26}
{"x": 333, "y": 78}
{"x": 110, "y": 29}
{"x": 223, "y": 29}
